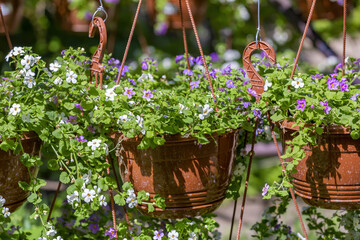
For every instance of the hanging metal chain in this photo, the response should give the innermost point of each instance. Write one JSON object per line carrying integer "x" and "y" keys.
{"x": 258, "y": 29}
{"x": 100, "y": 9}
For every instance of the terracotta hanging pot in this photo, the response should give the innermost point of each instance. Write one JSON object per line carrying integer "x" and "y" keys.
{"x": 68, "y": 18}
{"x": 192, "y": 178}
{"x": 12, "y": 171}
{"x": 329, "y": 175}
{"x": 12, "y": 12}
{"x": 173, "y": 20}
{"x": 324, "y": 9}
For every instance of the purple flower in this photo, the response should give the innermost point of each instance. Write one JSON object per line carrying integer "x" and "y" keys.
{"x": 252, "y": 92}
{"x": 178, "y": 58}
{"x": 72, "y": 119}
{"x": 55, "y": 99}
{"x": 263, "y": 55}
{"x": 147, "y": 95}
{"x": 227, "y": 70}
{"x": 246, "y": 104}
{"x": 91, "y": 128}
{"x": 188, "y": 72}
{"x": 257, "y": 112}
{"x": 194, "y": 84}
{"x": 94, "y": 228}
{"x": 110, "y": 232}
{"x": 214, "y": 57}
{"x": 161, "y": 29}
{"x": 124, "y": 71}
{"x": 77, "y": 105}
{"x": 81, "y": 139}
{"x": 113, "y": 62}
{"x": 158, "y": 235}
{"x": 333, "y": 84}
{"x": 63, "y": 52}
{"x": 129, "y": 92}
{"x": 317, "y": 76}
{"x": 326, "y": 105}
{"x": 112, "y": 1}
{"x": 354, "y": 97}
{"x": 312, "y": 106}
{"x": 94, "y": 218}
{"x": 259, "y": 131}
{"x": 265, "y": 189}
{"x": 301, "y": 104}
{"x": 242, "y": 71}
{"x": 164, "y": 116}
{"x": 199, "y": 60}
{"x": 230, "y": 83}
{"x": 144, "y": 65}
{"x": 132, "y": 81}
{"x": 213, "y": 73}
{"x": 344, "y": 87}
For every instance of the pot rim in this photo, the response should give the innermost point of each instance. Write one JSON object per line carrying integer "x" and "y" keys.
{"x": 331, "y": 129}
{"x": 171, "y": 137}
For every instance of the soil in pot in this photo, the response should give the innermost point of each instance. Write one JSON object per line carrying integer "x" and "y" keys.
{"x": 329, "y": 175}
{"x": 12, "y": 171}
{"x": 192, "y": 178}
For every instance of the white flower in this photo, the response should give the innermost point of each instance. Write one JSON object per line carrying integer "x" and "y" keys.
{"x": 71, "y": 77}
{"x": 2, "y": 201}
{"x": 27, "y": 61}
{"x": 131, "y": 201}
{"x": 231, "y": 55}
{"x": 205, "y": 111}
{"x": 166, "y": 63}
{"x": 267, "y": 85}
{"x": 173, "y": 235}
{"x": 73, "y": 197}
{"x": 300, "y": 236}
{"x": 131, "y": 103}
{"x": 29, "y": 82}
{"x": 6, "y": 212}
{"x": 97, "y": 189}
{"x": 54, "y": 66}
{"x": 42, "y": 238}
{"x": 146, "y": 76}
{"x": 17, "y": 50}
{"x": 102, "y": 201}
{"x": 51, "y": 231}
{"x": 239, "y": 169}
{"x": 192, "y": 236}
{"x": 15, "y": 109}
{"x": 356, "y": 223}
{"x": 8, "y": 56}
{"x": 123, "y": 119}
{"x": 94, "y": 144}
{"x": 131, "y": 192}
{"x": 58, "y": 81}
{"x": 297, "y": 82}
{"x": 59, "y": 238}
{"x": 36, "y": 216}
{"x": 182, "y": 107}
{"x": 27, "y": 73}
{"x": 110, "y": 94}
{"x": 88, "y": 195}
{"x": 87, "y": 177}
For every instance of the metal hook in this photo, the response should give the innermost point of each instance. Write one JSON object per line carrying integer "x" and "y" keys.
{"x": 100, "y": 9}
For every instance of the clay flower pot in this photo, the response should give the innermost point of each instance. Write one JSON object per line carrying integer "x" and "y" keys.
{"x": 329, "y": 175}
{"x": 68, "y": 18}
{"x": 12, "y": 12}
{"x": 324, "y": 9}
{"x": 192, "y": 178}
{"x": 12, "y": 171}
{"x": 198, "y": 9}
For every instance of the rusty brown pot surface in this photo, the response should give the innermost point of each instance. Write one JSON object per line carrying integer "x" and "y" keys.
{"x": 329, "y": 175}
{"x": 12, "y": 171}
{"x": 324, "y": 9}
{"x": 12, "y": 12}
{"x": 198, "y": 9}
{"x": 192, "y": 178}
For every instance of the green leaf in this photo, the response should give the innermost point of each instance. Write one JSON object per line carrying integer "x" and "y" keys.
{"x": 69, "y": 106}
{"x": 57, "y": 133}
{"x": 32, "y": 198}
{"x": 24, "y": 185}
{"x": 64, "y": 177}
{"x": 53, "y": 164}
{"x": 355, "y": 134}
{"x": 151, "y": 208}
{"x": 52, "y": 115}
{"x": 159, "y": 141}
{"x": 118, "y": 199}
{"x": 319, "y": 130}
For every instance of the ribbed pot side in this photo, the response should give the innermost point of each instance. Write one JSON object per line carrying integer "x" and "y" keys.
{"x": 329, "y": 175}
{"x": 192, "y": 178}
{"x": 12, "y": 171}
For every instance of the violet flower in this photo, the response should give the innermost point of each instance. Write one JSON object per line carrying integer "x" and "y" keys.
{"x": 147, "y": 95}
{"x": 110, "y": 232}
{"x": 78, "y": 106}
{"x": 72, "y": 119}
{"x": 317, "y": 76}
{"x": 214, "y": 57}
{"x": 94, "y": 228}
{"x": 257, "y": 112}
{"x": 301, "y": 104}
{"x": 188, "y": 72}
{"x": 81, "y": 139}
{"x": 265, "y": 189}
{"x": 91, "y": 128}
{"x": 195, "y": 84}
{"x": 333, "y": 84}
{"x": 354, "y": 97}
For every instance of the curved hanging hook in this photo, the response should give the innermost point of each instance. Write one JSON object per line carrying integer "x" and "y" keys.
{"x": 96, "y": 66}
{"x": 256, "y": 80}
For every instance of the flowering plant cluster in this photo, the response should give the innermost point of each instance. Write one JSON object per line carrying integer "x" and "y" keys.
{"x": 312, "y": 102}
